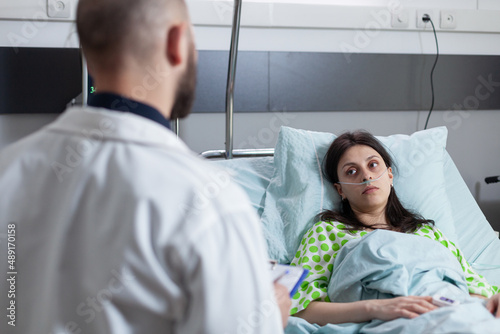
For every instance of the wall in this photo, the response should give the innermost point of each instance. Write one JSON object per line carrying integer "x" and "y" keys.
{"x": 474, "y": 140}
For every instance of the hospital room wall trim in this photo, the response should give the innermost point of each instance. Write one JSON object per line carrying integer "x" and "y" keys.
{"x": 309, "y": 81}
{"x": 271, "y": 81}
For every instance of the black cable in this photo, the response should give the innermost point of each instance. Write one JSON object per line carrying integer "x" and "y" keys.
{"x": 432, "y": 74}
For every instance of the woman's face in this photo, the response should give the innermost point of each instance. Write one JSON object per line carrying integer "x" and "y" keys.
{"x": 358, "y": 164}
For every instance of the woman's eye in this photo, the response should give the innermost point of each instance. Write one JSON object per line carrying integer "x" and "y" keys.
{"x": 373, "y": 164}
{"x": 351, "y": 172}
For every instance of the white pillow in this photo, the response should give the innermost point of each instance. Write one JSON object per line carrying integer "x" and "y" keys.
{"x": 298, "y": 191}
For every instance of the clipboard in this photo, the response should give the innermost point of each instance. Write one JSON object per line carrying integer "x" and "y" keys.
{"x": 289, "y": 276}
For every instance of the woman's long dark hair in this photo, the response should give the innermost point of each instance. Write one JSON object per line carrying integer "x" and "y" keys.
{"x": 398, "y": 218}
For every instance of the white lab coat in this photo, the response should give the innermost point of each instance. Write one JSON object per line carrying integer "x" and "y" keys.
{"x": 119, "y": 228}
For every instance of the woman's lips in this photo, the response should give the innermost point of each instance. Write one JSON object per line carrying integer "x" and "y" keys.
{"x": 369, "y": 189}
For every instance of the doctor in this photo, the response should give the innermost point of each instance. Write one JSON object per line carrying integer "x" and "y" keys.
{"x": 108, "y": 223}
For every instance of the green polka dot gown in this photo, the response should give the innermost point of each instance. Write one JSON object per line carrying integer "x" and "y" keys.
{"x": 321, "y": 244}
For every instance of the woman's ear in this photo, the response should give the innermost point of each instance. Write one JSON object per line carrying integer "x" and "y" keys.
{"x": 389, "y": 172}
{"x": 339, "y": 189}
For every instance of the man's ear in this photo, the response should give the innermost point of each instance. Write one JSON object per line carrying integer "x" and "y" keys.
{"x": 177, "y": 44}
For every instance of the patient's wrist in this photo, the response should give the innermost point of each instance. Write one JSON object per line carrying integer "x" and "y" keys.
{"x": 478, "y": 296}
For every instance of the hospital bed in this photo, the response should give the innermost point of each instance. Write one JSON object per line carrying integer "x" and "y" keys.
{"x": 286, "y": 187}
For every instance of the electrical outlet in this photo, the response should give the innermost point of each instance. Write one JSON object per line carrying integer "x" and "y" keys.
{"x": 59, "y": 9}
{"x": 448, "y": 19}
{"x": 400, "y": 19}
{"x": 421, "y": 13}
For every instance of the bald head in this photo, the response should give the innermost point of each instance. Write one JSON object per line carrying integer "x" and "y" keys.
{"x": 112, "y": 29}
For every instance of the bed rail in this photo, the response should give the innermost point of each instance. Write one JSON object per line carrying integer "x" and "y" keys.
{"x": 229, "y": 152}
{"x": 261, "y": 152}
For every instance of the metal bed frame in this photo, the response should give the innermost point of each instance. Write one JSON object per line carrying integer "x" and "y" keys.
{"x": 230, "y": 152}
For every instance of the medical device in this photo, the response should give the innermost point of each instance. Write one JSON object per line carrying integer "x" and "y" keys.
{"x": 38, "y": 80}
{"x": 440, "y": 300}
{"x": 367, "y": 181}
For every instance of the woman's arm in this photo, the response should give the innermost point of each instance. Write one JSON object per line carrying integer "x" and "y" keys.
{"x": 318, "y": 250}
{"x": 317, "y": 254}
{"x": 323, "y": 313}
{"x": 477, "y": 296}
{"x": 319, "y": 247}
{"x": 477, "y": 284}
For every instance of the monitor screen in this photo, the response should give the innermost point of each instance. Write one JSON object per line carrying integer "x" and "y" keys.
{"x": 39, "y": 80}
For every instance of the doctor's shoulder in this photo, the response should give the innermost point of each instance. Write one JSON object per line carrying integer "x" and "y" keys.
{"x": 27, "y": 147}
{"x": 217, "y": 183}
{"x": 200, "y": 181}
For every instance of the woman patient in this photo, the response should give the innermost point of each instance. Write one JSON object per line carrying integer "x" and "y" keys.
{"x": 360, "y": 168}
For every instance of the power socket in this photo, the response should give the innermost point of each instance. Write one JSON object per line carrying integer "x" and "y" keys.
{"x": 421, "y": 12}
{"x": 59, "y": 9}
{"x": 448, "y": 19}
{"x": 400, "y": 19}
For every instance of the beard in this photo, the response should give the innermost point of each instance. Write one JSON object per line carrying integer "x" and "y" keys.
{"x": 185, "y": 94}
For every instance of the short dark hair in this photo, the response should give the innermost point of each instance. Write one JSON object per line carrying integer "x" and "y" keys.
{"x": 109, "y": 28}
{"x": 399, "y": 218}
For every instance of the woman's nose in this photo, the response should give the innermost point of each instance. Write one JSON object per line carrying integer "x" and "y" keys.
{"x": 366, "y": 175}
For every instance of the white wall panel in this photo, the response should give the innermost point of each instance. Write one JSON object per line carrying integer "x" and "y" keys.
{"x": 33, "y": 10}
{"x": 488, "y": 4}
{"x": 37, "y": 34}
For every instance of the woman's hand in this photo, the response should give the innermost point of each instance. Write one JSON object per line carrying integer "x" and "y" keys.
{"x": 493, "y": 305}
{"x": 400, "y": 307}
{"x": 284, "y": 302}
{"x": 323, "y": 313}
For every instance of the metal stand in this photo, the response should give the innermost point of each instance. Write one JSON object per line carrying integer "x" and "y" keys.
{"x": 229, "y": 152}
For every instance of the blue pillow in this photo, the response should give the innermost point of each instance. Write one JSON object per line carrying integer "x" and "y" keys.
{"x": 253, "y": 175}
{"x": 298, "y": 191}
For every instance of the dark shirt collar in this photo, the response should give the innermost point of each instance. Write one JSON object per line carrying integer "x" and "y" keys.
{"x": 119, "y": 103}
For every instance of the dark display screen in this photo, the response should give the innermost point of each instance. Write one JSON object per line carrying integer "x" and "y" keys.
{"x": 38, "y": 80}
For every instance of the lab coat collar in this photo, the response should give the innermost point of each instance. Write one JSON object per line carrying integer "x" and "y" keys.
{"x": 102, "y": 124}
{"x": 120, "y": 103}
